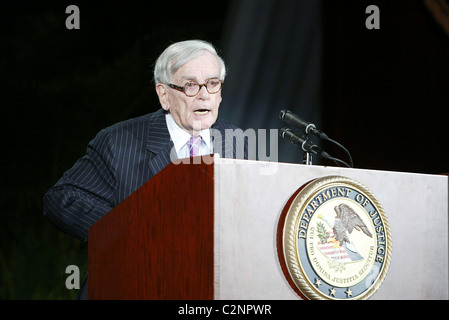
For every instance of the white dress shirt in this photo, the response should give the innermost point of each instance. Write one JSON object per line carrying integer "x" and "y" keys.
{"x": 180, "y": 138}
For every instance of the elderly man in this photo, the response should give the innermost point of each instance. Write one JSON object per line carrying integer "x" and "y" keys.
{"x": 189, "y": 76}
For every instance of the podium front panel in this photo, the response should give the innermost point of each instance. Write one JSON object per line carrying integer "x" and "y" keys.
{"x": 250, "y": 196}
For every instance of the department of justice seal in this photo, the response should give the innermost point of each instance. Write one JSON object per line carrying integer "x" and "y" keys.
{"x": 334, "y": 240}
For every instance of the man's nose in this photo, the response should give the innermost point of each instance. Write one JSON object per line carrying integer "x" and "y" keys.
{"x": 203, "y": 93}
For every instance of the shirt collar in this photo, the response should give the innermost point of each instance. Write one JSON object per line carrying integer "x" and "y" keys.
{"x": 180, "y": 136}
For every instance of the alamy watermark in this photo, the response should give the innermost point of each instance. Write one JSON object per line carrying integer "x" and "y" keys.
{"x": 373, "y": 20}
{"x": 261, "y": 144}
{"x": 73, "y": 280}
{"x": 73, "y": 20}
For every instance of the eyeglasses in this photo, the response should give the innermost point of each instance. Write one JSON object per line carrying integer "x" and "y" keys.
{"x": 192, "y": 88}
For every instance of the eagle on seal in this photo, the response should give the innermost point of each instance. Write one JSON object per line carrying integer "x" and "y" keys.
{"x": 342, "y": 226}
{"x": 346, "y": 221}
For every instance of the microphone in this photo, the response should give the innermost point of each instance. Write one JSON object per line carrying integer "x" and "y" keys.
{"x": 306, "y": 145}
{"x": 295, "y": 120}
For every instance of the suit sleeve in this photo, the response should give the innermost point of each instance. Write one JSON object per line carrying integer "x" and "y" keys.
{"x": 86, "y": 192}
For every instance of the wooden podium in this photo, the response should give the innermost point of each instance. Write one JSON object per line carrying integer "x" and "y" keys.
{"x": 208, "y": 231}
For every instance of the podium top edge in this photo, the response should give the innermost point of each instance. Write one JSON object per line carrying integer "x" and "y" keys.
{"x": 223, "y": 161}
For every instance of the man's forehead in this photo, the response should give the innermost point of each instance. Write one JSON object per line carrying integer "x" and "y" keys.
{"x": 205, "y": 65}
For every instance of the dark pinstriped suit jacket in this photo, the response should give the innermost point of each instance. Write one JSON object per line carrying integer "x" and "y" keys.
{"x": 119, "y": 160}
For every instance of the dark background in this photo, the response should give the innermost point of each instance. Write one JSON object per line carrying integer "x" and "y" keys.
{"x": 381, "y": 93}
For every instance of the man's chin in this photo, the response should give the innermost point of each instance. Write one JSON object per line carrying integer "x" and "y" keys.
{"x": 205, "y": 123}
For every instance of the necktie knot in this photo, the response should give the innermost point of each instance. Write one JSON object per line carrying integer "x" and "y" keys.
{"x": 194, "y": 145}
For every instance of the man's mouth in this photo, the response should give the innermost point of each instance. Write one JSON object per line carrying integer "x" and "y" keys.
{"x": 201, "y": 112}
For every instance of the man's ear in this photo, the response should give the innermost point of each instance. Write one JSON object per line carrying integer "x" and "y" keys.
{"x": 162, "y": 93}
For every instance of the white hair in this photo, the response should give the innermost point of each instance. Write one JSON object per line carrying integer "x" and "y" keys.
{"x": 178, "y": 54}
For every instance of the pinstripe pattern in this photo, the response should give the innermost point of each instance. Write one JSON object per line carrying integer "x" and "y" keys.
{"x": 117, "y": 162}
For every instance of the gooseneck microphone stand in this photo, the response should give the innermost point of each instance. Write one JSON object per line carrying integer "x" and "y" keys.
{"x": 307, "y": 157}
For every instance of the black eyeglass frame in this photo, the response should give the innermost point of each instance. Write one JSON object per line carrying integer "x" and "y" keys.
{"x": 183, "y": 89}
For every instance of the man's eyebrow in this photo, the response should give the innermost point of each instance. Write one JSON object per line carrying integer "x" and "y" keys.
{"x": 193, "y": 78}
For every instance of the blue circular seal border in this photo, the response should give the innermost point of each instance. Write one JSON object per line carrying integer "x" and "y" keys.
{"x": 306, "y": 202}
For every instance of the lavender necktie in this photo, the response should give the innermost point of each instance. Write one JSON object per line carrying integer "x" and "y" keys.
{"x": 194, "y": 146}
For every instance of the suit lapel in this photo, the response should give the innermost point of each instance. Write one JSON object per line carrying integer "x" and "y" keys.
{"x": 159, "y": 142}
{"x": 223, "y": 144}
